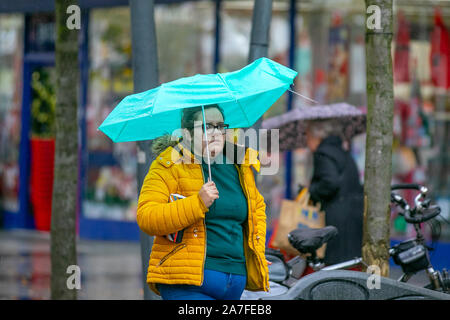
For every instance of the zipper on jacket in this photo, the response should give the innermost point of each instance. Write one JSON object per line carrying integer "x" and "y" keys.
{"x": 204, "y": 228}
{"x": 174, "y": 250}
{"x": 251, "y": 224}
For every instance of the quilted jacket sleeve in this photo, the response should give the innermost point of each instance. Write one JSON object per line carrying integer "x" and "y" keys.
{"x": 261, "y": 217}
{"x": 155, "y": 214}
{"x": 260, "y": 211}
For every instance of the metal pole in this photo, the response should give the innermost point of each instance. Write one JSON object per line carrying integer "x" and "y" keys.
{"x": 292, "y": 37}
{"x": 217, "y": 36}
{"x": 84, "y": 76}
{"x": 259, "y": 38}
{"x": 145, "y": 77}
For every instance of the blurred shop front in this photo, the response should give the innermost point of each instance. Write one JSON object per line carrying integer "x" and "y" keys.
{"x": 323, "y": 41}
{"x": 107, "y": 172}
{"x": 27, "y": 107}
{"x": 192, "y": 38}
{"x": 330, "y": 59}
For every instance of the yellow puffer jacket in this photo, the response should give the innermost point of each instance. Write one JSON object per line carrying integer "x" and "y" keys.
{"x": 176, "y": 171}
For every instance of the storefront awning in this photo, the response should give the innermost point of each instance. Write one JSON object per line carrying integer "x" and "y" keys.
{"x": 30, "y": 6}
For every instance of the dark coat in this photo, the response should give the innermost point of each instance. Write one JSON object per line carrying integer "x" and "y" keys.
{"x": 335, "y": 184}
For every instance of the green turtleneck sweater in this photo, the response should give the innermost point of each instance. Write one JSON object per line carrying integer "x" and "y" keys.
{"x": 225, "y": 219}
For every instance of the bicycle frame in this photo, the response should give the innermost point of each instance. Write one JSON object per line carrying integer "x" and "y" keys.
{"x": 435, "y": 277}
{"x": 409, "y": 254}
{"x": 344, "y": 265}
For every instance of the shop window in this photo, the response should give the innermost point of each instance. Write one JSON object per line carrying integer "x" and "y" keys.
{"x": 111, "y": 186}
{"x": 184, "y": 49}
{"x": 41, "y": 32}
{"x": 11, "y": 29}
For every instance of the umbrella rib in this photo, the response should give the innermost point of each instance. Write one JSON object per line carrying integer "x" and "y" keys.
{"x": 121, "y": 130}
{"x": 302, "y": 96}
{"x": 156, "y": 97}
{"x": 276, "y": 77}
{"x": 231, "y": 92}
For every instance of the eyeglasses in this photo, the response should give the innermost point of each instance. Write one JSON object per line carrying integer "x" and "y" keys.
{"x": 222, "y": 127}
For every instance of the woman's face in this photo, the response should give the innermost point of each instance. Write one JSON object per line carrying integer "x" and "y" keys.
{"x": 216, "y": 139}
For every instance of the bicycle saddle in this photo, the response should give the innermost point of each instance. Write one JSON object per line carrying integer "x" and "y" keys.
{"x": 307, "y": 240}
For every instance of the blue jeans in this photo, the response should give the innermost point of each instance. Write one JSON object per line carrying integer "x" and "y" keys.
{"x": 216, "y": 286}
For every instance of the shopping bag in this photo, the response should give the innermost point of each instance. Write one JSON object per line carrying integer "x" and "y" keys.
{"x": 296, "y": 214}
{"x": 176, "y": 237}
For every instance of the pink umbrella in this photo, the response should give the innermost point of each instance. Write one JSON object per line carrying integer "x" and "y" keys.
{"x": 292, "y": 124}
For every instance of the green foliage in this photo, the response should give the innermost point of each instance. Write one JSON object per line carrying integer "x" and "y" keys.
{"x": 43, "y": 105}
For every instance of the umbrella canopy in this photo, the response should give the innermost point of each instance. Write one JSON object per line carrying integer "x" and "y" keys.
{"x": 243, "y": 95}
{"x": 292, "y": 124}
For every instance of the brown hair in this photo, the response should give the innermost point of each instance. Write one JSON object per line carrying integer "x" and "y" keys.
{"x": 189, "y": 115}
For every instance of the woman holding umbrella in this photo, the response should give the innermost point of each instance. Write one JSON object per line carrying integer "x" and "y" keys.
{"x": 335, "y": 184}
{"x": 222, "y": 251}
{"x": 210, "y": 243}
{"x": 327, "y": 130}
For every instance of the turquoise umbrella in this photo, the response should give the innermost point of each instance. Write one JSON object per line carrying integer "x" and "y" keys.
{"x": 244, "y": 95}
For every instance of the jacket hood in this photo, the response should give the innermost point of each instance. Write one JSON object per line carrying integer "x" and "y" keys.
{"x": 243, "y": 155}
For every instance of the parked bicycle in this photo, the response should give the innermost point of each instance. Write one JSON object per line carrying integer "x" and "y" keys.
{"x": 412, "y": 255}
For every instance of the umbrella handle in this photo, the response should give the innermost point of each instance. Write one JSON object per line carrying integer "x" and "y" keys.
{"x": 206, "y": 138}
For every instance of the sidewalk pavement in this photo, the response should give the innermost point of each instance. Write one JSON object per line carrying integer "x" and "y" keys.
{"x": 110, "y": 270}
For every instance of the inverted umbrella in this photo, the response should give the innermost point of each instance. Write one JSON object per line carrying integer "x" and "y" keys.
{"x": 292, "y": 124}
{"x": 243, "y": 95}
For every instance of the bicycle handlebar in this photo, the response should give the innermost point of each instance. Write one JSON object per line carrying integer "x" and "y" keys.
{"x": 426, "y": 214}
{"x": 399, "y": 200}
{"x": 414, "y": 186}
{"x": 422, "y": 211}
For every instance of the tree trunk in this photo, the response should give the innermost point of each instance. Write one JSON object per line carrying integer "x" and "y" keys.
{"x": 63, "y": 223}
{"x": 380, "y": 109}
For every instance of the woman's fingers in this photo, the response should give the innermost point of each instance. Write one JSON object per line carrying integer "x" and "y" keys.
{"x": 209, "y": 193}
{"x": 214, "y": 194}
{"x": 212, "y": 189}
